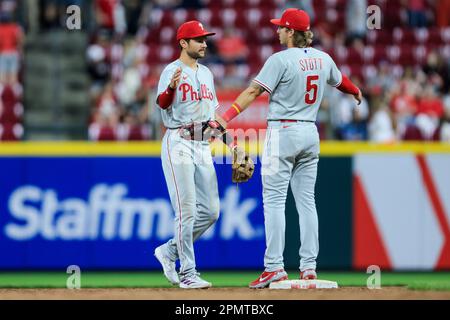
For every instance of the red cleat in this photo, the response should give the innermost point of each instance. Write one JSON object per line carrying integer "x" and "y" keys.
{"x": 266, "y": 278}
{"x": 308, "y": 274}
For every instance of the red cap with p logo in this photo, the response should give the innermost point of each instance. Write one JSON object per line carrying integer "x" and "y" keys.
{"x": 294, "y": 19}
{"x": 192, "y": 29}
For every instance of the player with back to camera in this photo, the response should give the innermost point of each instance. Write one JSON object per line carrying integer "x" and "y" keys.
{"x": 188, "y": 101}
{"x": 295, "y": 79}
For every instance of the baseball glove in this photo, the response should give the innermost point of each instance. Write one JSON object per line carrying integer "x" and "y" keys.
{"x": 242, "y": 166}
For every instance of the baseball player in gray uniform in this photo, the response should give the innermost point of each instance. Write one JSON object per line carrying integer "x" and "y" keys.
{"x": 295, "y": 80}
{"x": 188, "y": 99}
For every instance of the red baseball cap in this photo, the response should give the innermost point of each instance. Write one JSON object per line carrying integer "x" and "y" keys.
{"x": 192, "y": 29}
{"x": 294, "y": 19}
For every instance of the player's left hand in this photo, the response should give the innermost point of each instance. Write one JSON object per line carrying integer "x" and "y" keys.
{"x": 358, "y": 97}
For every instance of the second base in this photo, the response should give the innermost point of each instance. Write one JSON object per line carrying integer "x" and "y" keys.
{"x": 304, "y": 284}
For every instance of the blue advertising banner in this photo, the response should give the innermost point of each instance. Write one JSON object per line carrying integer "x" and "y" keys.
{"x": 111, "y": 212}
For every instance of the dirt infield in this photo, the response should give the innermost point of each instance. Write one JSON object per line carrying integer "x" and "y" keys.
{"x": 387, "y": 293}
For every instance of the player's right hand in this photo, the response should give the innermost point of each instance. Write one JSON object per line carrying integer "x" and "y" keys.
{"x": 175, "y": 79}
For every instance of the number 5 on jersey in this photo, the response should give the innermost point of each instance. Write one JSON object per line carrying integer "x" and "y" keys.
{"x": 311, "y": 89}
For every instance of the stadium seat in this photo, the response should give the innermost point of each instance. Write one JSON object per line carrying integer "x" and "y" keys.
{"x": 128, "y": 132}
{"x": 167, "y": 53}
{"x": 355, "y": 56}
{"x": 204, "y": 15}
{"x": 404, "y": 36}
{"x": 167, "y": 19}
{"x": 434, "y": 36}
{"x": 380, "y": 54}
{"x": 379, "y": 37}
{"x": 107, "y": 133}
{"x": 266, "y": 15}
{"x": 216, "y": 18}
{"x": 356, "y": 70}
{"x": 182, "y": 15}
{"x": 393, "y": 53}
{"x": 167, "y": 35}
{"x": 412, "y": 133}
{"x": 11, "y": 131}
{"x": 229, "y": 17}
{"x": 242, "y": 19}
{"x": 11, "y": 114}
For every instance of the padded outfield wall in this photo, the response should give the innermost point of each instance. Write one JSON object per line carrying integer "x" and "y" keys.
{"x": 105, "y": 206}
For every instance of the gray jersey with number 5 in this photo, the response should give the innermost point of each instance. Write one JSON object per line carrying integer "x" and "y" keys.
{"x": 295, "y": 79}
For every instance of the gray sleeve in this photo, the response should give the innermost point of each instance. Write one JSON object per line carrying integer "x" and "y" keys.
{"x": 270, "y": 74}
{"x": 215, "y": 101}
{"x": 164, "y": 79}
{"x": 335, "y": 76}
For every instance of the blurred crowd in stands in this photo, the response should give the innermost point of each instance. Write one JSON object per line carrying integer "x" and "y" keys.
{"x": 402, "y": 68}
{"x": 11, "y": 41}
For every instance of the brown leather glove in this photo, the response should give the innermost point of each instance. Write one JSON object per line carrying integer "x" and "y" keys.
{"x": 242, "y": 166}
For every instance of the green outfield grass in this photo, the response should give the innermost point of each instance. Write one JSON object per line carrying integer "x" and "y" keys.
{"x": 415, "y": 281}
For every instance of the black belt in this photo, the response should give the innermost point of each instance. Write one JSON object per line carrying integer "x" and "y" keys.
{"x": 190, "y": 125}
{"x": 194, "y": 131}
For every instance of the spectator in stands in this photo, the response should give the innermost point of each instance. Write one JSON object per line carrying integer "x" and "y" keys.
{"x": 305, "y": 5}
{"x": 49, "y": 15}
{"x": 383, "y": 80}
{"x": 417, "y": 15}
{"x": 355, "y": 127}
{"x": 167, "y": 4}
{"x": 110, "y": 15}
{"x": 133, "y": 10}
{"x": 356, "y": 19}
{"x": 429, "y": 113}
{"x": 231, "y": 47}
{"x": 11, "y": 40}
{"x": 430, "y": 103}
{"x": 193, "y": 4}
{"x": 108, "y": 107}
{"x": 445, "y": 130}
{"x": 232, "y": 79}
{"x": 103, "y": 129}
{"x": 323, "y": 37}
{"x": 381, "y": 125}
{"x": 132, "y": 129}
{"x": 350, "y": 121}
{"x": 8, "y": 9}
{"x": 446, "y": 101}
{"x": 445, "y": 126}
{"x": 403, "y": 104}
{"x": 437, "y": 71}
{"x": 99, "y": 68}
{"x": 129, "y": 85}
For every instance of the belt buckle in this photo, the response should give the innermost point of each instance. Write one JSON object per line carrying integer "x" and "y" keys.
{"x": 185, "y": 133}
{"x": 192, "y": 131}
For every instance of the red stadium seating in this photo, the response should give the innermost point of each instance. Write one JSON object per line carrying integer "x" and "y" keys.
{"x": 11, "y": 131}
{"x": 107, "y": 133}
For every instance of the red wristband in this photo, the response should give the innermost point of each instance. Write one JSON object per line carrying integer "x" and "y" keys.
{"x": 232, "y": 113}
{"x": 165, "y": 98}
{"x": 347, "y": 86}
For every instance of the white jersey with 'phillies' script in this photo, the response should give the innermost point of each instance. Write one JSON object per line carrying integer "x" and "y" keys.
{"x": 195, "y": 98}
{"x": 296, "y": 80}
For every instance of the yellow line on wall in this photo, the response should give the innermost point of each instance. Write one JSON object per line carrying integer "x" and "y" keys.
{"x": 81, "y": 148}
{"x": 153, "y": 149}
